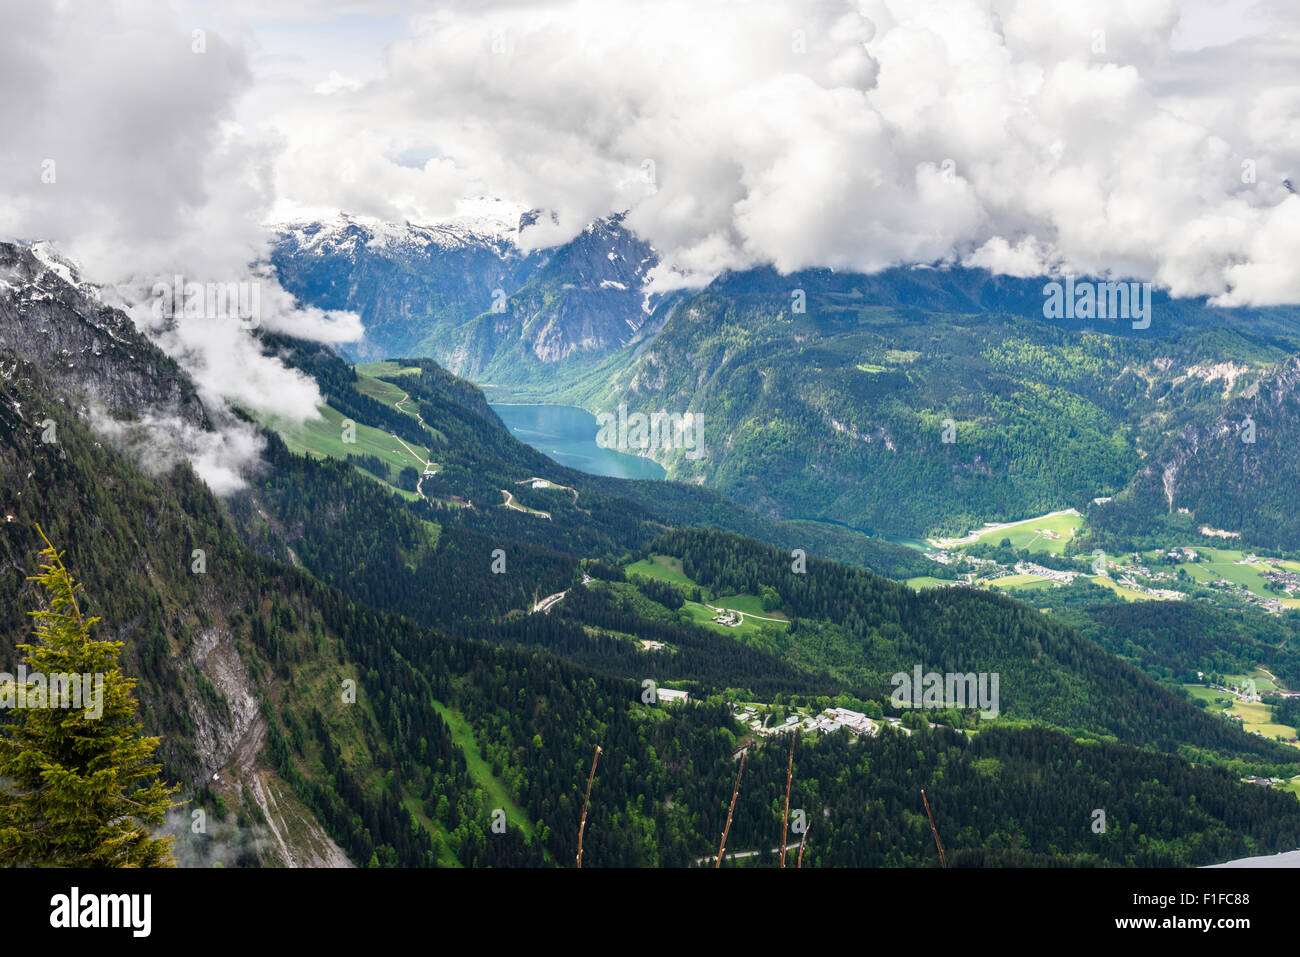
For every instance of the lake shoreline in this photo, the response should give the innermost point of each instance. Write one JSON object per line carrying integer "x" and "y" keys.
{"x": 567, "y": 434}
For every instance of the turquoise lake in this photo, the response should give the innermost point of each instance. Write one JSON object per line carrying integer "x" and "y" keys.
{"x": 568, "y": 435}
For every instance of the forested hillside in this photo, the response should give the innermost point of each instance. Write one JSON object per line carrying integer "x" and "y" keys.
{"x": 912, "y": 409}
{"x": 339, "y": 673}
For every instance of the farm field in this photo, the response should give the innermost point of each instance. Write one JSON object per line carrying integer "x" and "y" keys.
{"x": 1107, "y": 582}
{"x": 749, "y": 604}
{"x": 1216, "y": 699}
{"x": 1263, "y": 680}
{"x": 668, "y": 569}
{"x": 926, "y": 581}
{"x": 1255, "y": 716}
{"x": 1220, "y": 564}
{"x": 1030, "y": 533}
{"x": 379, "y": 390}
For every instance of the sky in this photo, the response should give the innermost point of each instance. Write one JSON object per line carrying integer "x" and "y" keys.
{"x": 1140, "y": 138}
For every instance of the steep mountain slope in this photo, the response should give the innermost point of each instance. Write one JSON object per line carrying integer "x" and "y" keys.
{"x": 909, "y": 422}
{"x": 468, "y": 294}
{"x": 587, "y": 301}
{"x": 135, "y": 541}
{"x": 478, "y": 460}
{"x": 1237, "y": 472}
{"x": 913, "y": 401}
{"x": 853, "y": 631}
{"x": 282, "y": 640}
{"x": 51, "y": 319}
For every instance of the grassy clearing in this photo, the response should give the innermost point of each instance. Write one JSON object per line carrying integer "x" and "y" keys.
{"x": 323, "y": 438}
{"x": 663, "y": 567}
{"x": 446, "y": 858}
{"x": 389, "y": 369}
{"x": 749, "y": 604}
{"x": 1220, "y": 564}
{"x": 1255, "y": 716}
{"x": 703, "y": 616}
{"x": 380, "y": 390}
{"x": 1263, "y": 682}
{"x": 1020, "y": 581}
{"x": 668, "y": 569}
{"x": 926, "y": 581}
{"x": 480, "y": 770}
{"x": 1030, "y": 533}
{"x": 1292, "y": 786}
{"x": 1215, "y": 699}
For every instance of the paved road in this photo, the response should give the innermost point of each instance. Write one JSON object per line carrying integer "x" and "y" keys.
{"x": 736, "y": 855}
{"x": 547, "y": 603}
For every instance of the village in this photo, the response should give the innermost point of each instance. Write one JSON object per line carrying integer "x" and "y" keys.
{"x": 1272, "y": 584}
{"x": 827, "y": 722}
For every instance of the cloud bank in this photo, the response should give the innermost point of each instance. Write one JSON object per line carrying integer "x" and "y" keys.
{"x": 1146, "y": 140}
{"x": 1021, "y": 135}
{"x": 120, "y": 145}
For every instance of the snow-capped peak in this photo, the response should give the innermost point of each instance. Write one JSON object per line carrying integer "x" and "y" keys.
{"x": 477, "y": 221}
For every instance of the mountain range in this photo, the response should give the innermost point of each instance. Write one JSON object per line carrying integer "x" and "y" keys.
{"x": 360, "y": 670}
{"x": 947, "y": 386}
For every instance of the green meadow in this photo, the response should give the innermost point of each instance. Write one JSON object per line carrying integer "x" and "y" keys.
{"x": 1029, "y": 534}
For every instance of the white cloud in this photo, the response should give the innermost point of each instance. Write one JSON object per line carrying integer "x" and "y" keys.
{"x": 335, "y": 83}
{"x": 121, "y": 146}
{"x": 1013, "y": 134}
{"x": 159, "y": 442}
{"x": 1099, "y": 137}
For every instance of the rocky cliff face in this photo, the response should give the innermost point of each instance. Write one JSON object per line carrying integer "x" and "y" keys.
{"x": 590, "y": 296}
{"x": 1239, "y": 470}
{"x": 53, "y": 320}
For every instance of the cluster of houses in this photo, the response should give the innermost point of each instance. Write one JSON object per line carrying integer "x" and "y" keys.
{"x": 832, "y": 719}
{"x": 1042, "y": 571}
{"x": 729, "y": 618}
{"x": 828, "y": 722}
{"x": 1264, "y": 782}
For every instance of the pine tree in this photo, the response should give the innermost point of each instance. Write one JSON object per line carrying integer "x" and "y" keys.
{"x": 80, "y": 789}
